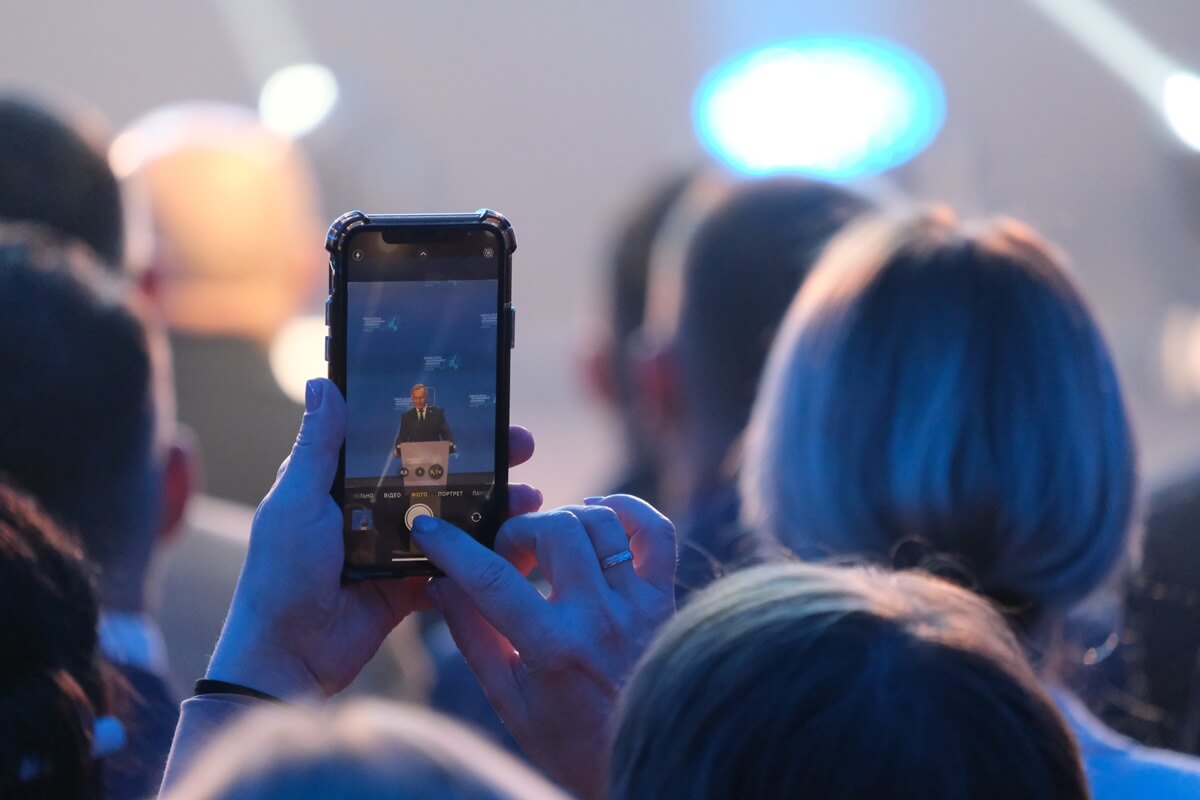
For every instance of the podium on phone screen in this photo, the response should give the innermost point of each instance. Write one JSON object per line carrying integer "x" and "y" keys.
{"x": 424, "y": 464}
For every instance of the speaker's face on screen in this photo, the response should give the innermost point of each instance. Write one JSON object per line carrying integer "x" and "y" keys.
{"x": 418, "y": 399}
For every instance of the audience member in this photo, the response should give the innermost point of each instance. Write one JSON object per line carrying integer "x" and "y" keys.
{"x": 218, "y": 188}
{"x": 55, "y": 689}
{"x": 236, "y": 255}
{"x": 724, "y": 270}
{"x": 608, "y": 365}
{"x": 796, "y": 680}
{"x": 58, "y": 180}
{"x": 368, "y": 750}
{"x": 85, "y": 427}
{"x": 51, "y": 175}
{"x": 942, "y": 397}
{"x": 1161, "y": 646}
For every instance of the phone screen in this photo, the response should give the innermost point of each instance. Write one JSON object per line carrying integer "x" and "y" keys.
{"x": 422, "y": 386}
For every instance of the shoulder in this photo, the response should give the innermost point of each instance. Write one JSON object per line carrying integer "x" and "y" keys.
{"x": 149, "y": 715}
{"x": 1137, "y": 772}
{"x": 152, "y": 710}
{"x": 1119, "y": 767}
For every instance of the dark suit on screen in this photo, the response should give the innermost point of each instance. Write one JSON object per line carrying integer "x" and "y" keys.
{"x": 431, "y": 429}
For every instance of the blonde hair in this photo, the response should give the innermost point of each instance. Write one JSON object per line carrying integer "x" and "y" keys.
{"x": 802, "y": 680}
{"x": 366, "y": 749}
{"x": 948, "y": 387}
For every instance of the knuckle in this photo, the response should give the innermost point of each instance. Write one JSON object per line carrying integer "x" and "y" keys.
{"x": 611, "y": 628}
{"x": 666, "y": 530}
{"x": 556, "y": 657}
{"x": 664, "y": 524}
{"x": 608, "y": 623}
{"x": 599, "y": 514}
{"x": 493, "y": 577}
{"x": 557, "y": 524}
{"x": 560, "y": 518}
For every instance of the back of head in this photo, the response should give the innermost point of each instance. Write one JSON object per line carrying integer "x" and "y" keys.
{"x": 51, "y": 176}
{"x": 942, "y": 392}
{"x": 235, "y": 215}
{"x": 743, "y": 264}
{"x": 816, "y": 682}
{"x": 77, "y": 421}
{"x": 52, "y": 685}
{"x": 610, "y": 366}
{"x": 368, "y": 750}
{"x": 629, "y": 262}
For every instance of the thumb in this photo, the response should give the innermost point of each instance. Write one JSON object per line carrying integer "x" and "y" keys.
{"x": 313, "y": 463}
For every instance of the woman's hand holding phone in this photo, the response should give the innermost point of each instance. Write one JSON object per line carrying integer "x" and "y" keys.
{"x": 552, "y": 667}
{"x": 294, "y": 629}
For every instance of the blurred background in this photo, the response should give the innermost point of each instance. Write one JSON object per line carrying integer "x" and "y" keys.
{"x": 1078, "y": 116}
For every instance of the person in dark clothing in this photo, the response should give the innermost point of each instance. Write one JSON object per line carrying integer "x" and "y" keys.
{"x": 87, "y": 430}
{"x": 731, "y": 258}
{"x": 236, "y": 257}
{"x": 608, "y": 362}
{"x": 1158, "y": 660}
{"x": 423, "y": 422}
{"x": 56, "y": 691}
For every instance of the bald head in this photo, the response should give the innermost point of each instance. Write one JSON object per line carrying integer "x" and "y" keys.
{"x": 234, "y": 209}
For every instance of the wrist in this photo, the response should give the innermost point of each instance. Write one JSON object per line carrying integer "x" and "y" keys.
{"x": 248, "y": 658}
{"x": 206, "y": 686}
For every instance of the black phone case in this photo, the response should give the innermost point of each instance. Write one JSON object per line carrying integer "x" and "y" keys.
{"x": 335, "y": 345}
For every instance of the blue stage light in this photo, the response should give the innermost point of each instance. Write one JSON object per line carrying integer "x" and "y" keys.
{"x": 831, "y": 108}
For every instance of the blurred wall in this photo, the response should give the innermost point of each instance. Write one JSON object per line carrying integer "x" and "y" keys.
{"x": 555, "y": 113}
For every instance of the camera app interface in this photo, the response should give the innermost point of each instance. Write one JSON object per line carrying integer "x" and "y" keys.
{"x": 421, "y": 389}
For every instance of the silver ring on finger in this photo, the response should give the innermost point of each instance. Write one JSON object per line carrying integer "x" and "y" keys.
{"x": 617, "y": 558}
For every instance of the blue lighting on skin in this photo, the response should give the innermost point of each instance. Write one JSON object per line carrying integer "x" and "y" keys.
{"x": 831, "y": 108}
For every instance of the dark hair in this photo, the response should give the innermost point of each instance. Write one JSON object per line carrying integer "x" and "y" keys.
{"x": 50, "y": 175}
{"x": 76, "y": 408}
{"x": 629, "y": 269}
{"x": 798, "y": 680}
{"x": 947, "y": 389}
{"x": 52, "y": 681}
{"x": 742, "y": 267}
{"x": 629, "y": 262}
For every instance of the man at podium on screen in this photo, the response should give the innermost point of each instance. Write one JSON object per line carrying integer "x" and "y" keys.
{"x": 423, "y": 422}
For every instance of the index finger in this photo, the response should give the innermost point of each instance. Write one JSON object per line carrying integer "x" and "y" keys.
{"x": 502, "y": 594}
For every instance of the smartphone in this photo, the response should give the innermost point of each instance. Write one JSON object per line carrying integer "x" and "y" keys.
{"x": 421, "y": 324}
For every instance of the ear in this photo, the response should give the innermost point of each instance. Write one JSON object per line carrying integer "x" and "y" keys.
{"x": 656, "y": 370}
{"x": 149, "y": 283}
{"x": 180, "y": 476}
{"x": 598, "y": 372}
